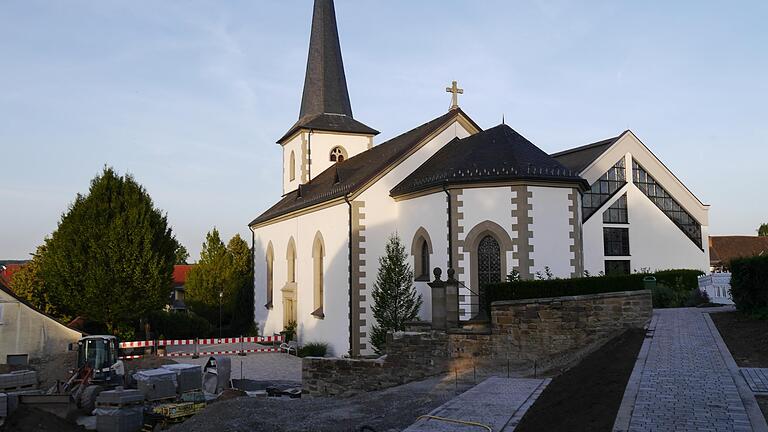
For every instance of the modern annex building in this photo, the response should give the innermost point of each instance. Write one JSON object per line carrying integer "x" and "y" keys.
{"x": 483, "y": 202}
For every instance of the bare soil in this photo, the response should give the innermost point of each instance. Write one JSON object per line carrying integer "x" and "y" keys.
{"x": 587, "y": 396}
{"x": 746, "y": 338}
{"x": 26, "y": 419}
{"x": 391, "y": 409}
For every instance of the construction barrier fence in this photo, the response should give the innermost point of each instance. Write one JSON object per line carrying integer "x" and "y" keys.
{"x": 157, "y": 346}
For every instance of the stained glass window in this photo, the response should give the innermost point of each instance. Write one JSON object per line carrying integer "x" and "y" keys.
{"x": 664, "y": 201}
{"x": 617, "y": 212}
{"x": 617, "y": 267}
{"x": 616, "y": 241}
{"x": 488, "y": 261}
{"x": 603, "y": 189}
{"x": 424, "y": 260}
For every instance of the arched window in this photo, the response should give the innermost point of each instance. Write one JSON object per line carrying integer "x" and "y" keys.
{"x": 270, "y": 275}
{"x": 290, "y": 256}
{"x": 318, "y": 254}
{"x": 292, "y": 167}
{"x": 424, "y": 270}
{"x": 488, "y": 261}
{"x": 421, "y": 249}
{"x": 338, "y": 154}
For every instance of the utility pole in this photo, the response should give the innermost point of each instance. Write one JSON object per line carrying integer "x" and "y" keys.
{"x": 221, "y": 294}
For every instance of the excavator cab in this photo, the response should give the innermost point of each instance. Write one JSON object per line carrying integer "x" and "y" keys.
{"x": 101, "y": 355}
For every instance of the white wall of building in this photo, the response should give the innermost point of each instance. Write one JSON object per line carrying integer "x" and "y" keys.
{"x": 551, "y": 231}
{"x": 332, "y": 223}
{"x": 321, "y": 143}
{"x": 293, "y": 145}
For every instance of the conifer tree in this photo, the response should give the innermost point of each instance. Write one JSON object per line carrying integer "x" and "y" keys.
{"x": 395, "y": 301}
{"x": 111, "y": 256}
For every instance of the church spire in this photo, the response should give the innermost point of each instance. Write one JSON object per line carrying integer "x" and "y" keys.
{"x": 325, "y": 86}
{"x": 325, "y": 101}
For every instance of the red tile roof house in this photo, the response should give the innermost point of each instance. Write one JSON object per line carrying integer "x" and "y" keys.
{"x": 723, "y": 249}
{"x": 180, "y": 272}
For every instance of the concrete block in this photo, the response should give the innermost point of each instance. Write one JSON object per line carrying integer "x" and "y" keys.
{"x": 120, "y": 397}
{"x": 188, "y": 376}
{"x": 125, "y": 419}
{"x": 156, "y": 384}
{"x": 3, "y": 405}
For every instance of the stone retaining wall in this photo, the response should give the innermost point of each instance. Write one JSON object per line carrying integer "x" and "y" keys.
{"x": 538, "y": 333}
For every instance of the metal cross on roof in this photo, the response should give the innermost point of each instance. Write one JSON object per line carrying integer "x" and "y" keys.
{"x": 456, "y": 91}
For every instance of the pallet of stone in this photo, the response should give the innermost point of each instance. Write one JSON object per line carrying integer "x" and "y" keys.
{"x": 120, "y": 410}
{"x": 3, "y": 405}
{"x": 156, "y": 384}
{"x": 188, "y": 376}
{"x": 18, "y": 381}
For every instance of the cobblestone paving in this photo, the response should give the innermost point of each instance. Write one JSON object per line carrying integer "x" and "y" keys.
{"x": 255, "y": 366}
{"x": 686, "y": 385}
{"x": 757, "y": 379}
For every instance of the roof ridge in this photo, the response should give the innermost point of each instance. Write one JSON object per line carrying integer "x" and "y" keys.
{"x": 588, "y": 146}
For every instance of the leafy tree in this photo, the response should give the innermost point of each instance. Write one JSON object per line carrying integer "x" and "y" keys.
{"x": 395, "y": 301}
{"x": 181, "y": 255}
{"x": 111, "y": 257}
{"x": 28, "y": 284}
{"x": 763, "y": 230}
{"x": 226, "y": 270}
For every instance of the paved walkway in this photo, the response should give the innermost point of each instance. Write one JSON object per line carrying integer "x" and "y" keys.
{"x": 494, "y": 405}
{"x": 686, "y": 380}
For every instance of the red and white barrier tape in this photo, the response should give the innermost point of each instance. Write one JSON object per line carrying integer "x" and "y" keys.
{"x": 227, "y": 352}
{"x": 208, "y": 341}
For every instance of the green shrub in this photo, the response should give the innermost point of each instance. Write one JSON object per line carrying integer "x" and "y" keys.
{"x": 666, "y": 297}
{"x": 682, "y": 279}
{"x": 749, "y": 283}
{"x": 314, "y": 349}
{"x": 697, "y": 297}
{"x": 179, "y": 325}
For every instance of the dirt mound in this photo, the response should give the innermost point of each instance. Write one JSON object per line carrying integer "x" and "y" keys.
{"x": 27, "y": 419}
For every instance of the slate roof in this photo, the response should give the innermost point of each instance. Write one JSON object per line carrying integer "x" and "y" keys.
{"x": 350, "y": 175}
{"x": 580, "y": 157}
{"x": 723, "y": 249}
{"x": 325, "y": 101}
{"x": 497, "y": 154}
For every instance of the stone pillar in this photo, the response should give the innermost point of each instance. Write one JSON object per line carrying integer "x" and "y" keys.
{"x": 438, "y": 301}
{"x": 451, "y": 301}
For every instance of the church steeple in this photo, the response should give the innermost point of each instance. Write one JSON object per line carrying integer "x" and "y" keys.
{"x": 325, "y": 86}
{"x": 325, "y": 102}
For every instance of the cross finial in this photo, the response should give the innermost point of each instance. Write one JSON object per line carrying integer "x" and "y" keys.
{"x": 456, "y": 91}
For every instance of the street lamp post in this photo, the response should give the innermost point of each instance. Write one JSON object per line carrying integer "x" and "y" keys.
{"x": 221, "y": 294}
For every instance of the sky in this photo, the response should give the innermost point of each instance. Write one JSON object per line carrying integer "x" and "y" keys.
{"x": 190, "y": 96}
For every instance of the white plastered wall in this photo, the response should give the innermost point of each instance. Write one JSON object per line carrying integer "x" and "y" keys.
{"x": 293, "y": 145}
{"x": 332, "y": 223}
{"x": 321, "y": 143}
{"x": 382, "y": 215}
{"x": 24, "y": 330}
{"x": 655, "y": 242}
{"x": 551, "y": 231}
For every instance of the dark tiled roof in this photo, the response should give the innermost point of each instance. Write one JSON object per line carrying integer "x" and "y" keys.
{"x": 330, "y": 122}
{"x": 348, "y": 176}
{"x": 325, "y": 101}
{"x": 580, "y": 157}
{"x": 723, "y": 249}
{"x": 497, "y": 154}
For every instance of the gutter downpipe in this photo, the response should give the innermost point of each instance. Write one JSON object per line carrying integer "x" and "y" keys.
{"x": 450, "y": 225}
{"x": 309, "y": 154}
{"x": 349, "y": 205}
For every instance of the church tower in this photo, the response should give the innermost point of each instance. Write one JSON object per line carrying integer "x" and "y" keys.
{"x": 326, "y": 133}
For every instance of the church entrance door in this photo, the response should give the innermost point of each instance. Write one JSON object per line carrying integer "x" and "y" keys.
{"x": 289, "y": 304}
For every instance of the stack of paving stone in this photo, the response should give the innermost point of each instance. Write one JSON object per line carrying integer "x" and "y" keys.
{"x": 188, "y": 376}
{"x": 18, "y": 381}
{"x": 120, "y": 410}
{"x": 156, "y": 384}
{"x": 3, "y": 405}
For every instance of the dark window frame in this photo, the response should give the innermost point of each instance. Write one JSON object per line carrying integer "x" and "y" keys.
{"x": 617, "y": 213}
{"x": 610, "y": 270}
{"x": 666, "y": 203}
{"x": 616, "y": 241}
{"x": 603, "y": 189}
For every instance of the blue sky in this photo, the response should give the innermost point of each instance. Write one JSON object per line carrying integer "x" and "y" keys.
{"x": 191, "y": 96}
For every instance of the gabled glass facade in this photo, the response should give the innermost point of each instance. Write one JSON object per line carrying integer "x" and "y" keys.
{"x": 617, "y": 212}
{"x": 603, "y": 189}
{"x": 664, "y": 201}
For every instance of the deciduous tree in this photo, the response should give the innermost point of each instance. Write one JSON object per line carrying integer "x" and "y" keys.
{"x": 762, "y": 231}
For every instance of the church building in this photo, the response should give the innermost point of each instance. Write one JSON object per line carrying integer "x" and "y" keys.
{"x": 485, "y": 202}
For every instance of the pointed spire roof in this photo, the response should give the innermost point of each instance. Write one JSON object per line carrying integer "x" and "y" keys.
{"x": 325, "y": 101}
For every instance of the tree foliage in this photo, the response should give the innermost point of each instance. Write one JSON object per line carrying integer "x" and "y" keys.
{"x": 395, "y": 301}
{"x": 111, "y": 257}
{"x": 181, "y": 255}
{"x": 762, "y": 231}
{"x": 28, "y": 284}
{"x": 226, "y": 271}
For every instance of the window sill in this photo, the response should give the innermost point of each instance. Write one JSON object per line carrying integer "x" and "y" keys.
{"x": 318, "y": 313}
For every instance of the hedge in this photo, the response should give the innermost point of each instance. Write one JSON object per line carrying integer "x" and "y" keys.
{"x": 749, "y": 283}
{"x": 677, "y": 280}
